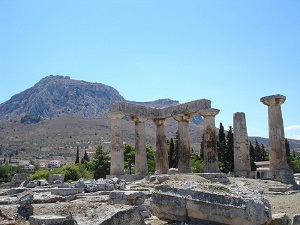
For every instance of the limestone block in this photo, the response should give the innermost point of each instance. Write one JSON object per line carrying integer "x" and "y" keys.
{"x": 32, "y": 184}
{"x": 64, "y": 191}
{"x": 56, "y": 177}
{"x": 47, "y": 197}
{"x": 296, "y": 220}
{"x": 12, "y": 191}
{"x": 214, "y": 203}
{"x": 95, "y": 186}
{"x": 46, "y": 219}
{"x": 43, "y": 182}
{"x": 280, "y": 219}
{"x": 127, "y": 197}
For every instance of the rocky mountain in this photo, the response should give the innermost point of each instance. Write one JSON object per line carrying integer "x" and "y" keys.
{"x": 54, "y": 96}
{"x": 59, "y": 95}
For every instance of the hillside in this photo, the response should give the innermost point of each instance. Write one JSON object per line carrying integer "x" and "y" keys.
{"x": 53, "y": 96}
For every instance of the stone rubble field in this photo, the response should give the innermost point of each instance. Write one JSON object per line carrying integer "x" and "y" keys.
{"x": 155, "y": 200}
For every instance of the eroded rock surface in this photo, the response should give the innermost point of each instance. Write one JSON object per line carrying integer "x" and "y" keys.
{"x": 184, "y": 201}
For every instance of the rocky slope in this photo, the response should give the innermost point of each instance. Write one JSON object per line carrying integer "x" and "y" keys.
{"x": 57, "y": 95}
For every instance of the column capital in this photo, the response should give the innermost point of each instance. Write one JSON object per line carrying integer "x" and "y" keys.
{"x": 138, "y": 119}
{"x": 115, "y": 115}
{"x": 159, "y": 121}
{"x": 183, "y": 117}
{"x": 211, "y": 112}
{"x": 273, "y": 100}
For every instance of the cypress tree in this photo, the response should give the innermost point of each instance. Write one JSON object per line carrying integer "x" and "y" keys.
{"x": 77, "y": 155}
{"x": 221, "y": 145}
{"x": 229, "y": 156}
{"x": 288, "y": 151}
{"x": 171, "y": 153}
{"x": 252, "y": 156}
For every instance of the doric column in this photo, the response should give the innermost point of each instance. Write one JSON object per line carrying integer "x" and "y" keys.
{"x": 210, "y": 152}
{"x": 162, "y": 160}
{"x": 141, "y": 166}
{"x": 116, "y": 154}
{"x": 241, "y": 145}
{"x": 277, "y": 151}
{"x": 184, "y": 152}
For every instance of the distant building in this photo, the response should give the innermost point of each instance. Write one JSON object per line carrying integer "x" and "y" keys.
{"x": 54, "y": 164}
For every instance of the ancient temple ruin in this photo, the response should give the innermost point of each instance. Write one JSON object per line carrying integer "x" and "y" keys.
{"x": 183, "y": 113}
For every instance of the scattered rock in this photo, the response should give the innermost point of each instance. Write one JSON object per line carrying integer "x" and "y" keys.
{"x": 280, "y": 219}
{"x": 296, "y": 220}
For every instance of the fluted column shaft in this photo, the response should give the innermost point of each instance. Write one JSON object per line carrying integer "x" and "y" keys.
{"x": 277, "y": 151}
{"x": 184, "y": 152}
{"x": 116, "y": 154}
{"x": 210, "y": 152}
{"x": 241, "y": 144}
{"x": 141, "y": 165}
{"x": 162, "y": 159}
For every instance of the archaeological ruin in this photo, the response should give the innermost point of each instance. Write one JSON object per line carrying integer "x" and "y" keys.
{"x": 183, "y": 113}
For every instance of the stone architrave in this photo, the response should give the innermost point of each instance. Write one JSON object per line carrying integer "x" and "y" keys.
{"x": 210, "y": 153}
{"x": 184, "y": 152}
{"x": 116, "y": 154}
{"x": 162, "y": 160}
{"x": 277, "y": 152}
{"x": 242, "y": 166}
{"x": 141, "y": 166}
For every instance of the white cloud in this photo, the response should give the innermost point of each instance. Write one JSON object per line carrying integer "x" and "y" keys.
{"x": 295, "y": 136}
{"x": 292, "y": 127}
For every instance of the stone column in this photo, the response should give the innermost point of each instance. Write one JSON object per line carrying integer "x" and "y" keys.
{"x": 141, "y": 165}
{"x": 162, "y": 159}
{"x": 242, "y": 166}
{"x": 184, "y": 152}
{"x": 277, "y": 151}
{"x": 116, "y": 154}
{"x": 210, "y": 152}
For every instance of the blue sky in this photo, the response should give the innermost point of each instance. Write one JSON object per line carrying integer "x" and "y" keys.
{"x": 231, "y": 52}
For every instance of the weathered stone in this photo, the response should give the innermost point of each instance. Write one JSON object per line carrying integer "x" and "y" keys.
{"x": 47, "y": 197}
{"x": 241, "y": 145}
{"x": 46, "y": 219}
{"x": 43, "y": 182}
{"x": 183, "y": 201}
{"x": 280, "y": 219}
{"x": 20, "y": 178}
{"x": 32, "y": 184}
{"x": 184, "y": 152}
{"x": 296, "y": 219}
{"x": 125, "y": 216}
{"x": 117, "y": 156}
{"x": 126, "y": 197}
{"x": 25, "y": 200}
{"x": 95, "y": 186}
{"x": 210, "y": 153}
{"x": 140, "y": 145}
{"x": 162, "y": 160}
{"x": 56, "y": 177}
{"x": 64, "y": 191}
{"x": 12, "y": 191}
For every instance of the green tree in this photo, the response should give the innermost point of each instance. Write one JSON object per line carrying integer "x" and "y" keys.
{"x": 151, "y": 159}
{"x": 197, "y": 163}
{"x": 229, "y": 152}
{"x": 85, "y": 158}
{"x": 221, "y": 146}
{"x": 288, "y": 151}
{"x": 252, "y": 156}
{"x": 129, "y": 157}
{"x": 173, "y": 157}
{"x": 7, "y": 172}
{"x": 101, "y": 163}
{"x": 77, "y": 155}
